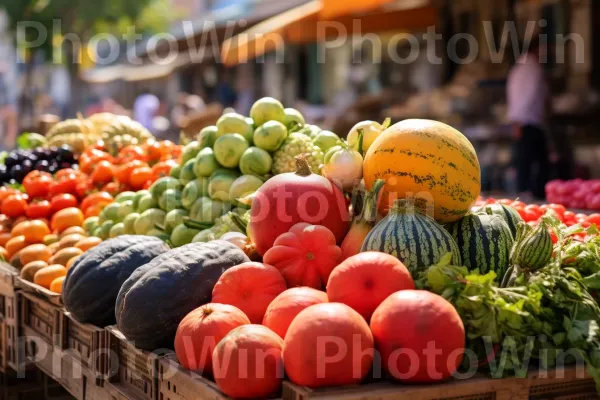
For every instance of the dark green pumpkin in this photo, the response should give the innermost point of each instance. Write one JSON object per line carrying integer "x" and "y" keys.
{"x": 484, "y": 241}
{"x": 92, "y": 284}
{"x": 157, "y": 296}
{"x": 507, "y": 213}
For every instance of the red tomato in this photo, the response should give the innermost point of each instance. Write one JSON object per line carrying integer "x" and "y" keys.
{"x": 112, "y": 188}
{"x": 66, "y": 183}
{"x": 529, "y": 215}
{"x": 67, "y": 172}
{"x": 594, "y": 218}
{"x": 139, "y": 177}
{"x": 535, "y": 209}
{"x": 103, "y": 172}
{"x": 123, "y": 172}
{"x": 506, "y": 202}
{"x": 129, "y": 153}
{"x": 14, "y": 205}
{"x": 518, "y": 203}
{"x": 163, "y": 168}
{"x": 38, "y": 186}
{"x": 62, "y": 201}
{"x": 96, "y": 198}
{"x": 39, "y": 209}
{"x": 83, "y": 187}
{"x": 569, "y": 216}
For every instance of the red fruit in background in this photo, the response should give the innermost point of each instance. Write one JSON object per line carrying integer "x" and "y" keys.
{"x": 420, "y": 336}
{"x": 163, "y": 168}
{"x": 248, "y": 363}
{"x": 570, "y": 216}
{"x": 287, "y": 199}
{"x": 594, "y": 218}
{"x": 129, "y": 153}
{"x": 201, "y": 330}
{"x": 251, "y": 287}
{"x": 62, "y": 201}
{"x": 37, "y": 184}
{"x": 139, "y": 177}
{"x": 112, "y": 188}
{"x": 103, "y": 198}
{"x": 14, "y": 205}
{"x": 123, "y": 172}
{"x": 328, "y": 344}
{"x": 365, "y": 280}
{"x": 39, "y": 209}
{"x": 305, "y": 255}
{"x": 83, "y": 187}
{"x": 282, "y": 311}
{"x": 66, "y": 183}
{"x": 103, "y": 172}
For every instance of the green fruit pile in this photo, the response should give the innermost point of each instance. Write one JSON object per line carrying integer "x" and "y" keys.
{"x": 207, "y": 194}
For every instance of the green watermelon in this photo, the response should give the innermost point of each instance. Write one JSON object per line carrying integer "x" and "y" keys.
{"x": 533, "y": 246}
{"x": 411, "y": 236}
{"x": 485, "y": 242}
{"x": 508, "y": 214}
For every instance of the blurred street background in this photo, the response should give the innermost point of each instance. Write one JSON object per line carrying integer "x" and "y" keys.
{"x": 377, "y": 71}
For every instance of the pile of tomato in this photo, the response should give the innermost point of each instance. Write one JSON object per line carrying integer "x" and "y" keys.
{"x": 99, "y": 178}
{"x": 532, "y": 213}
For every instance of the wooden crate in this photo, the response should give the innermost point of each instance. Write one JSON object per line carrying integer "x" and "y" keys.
{"x": 86, "y": 343}
{"x": 176, "y": 382}
{"x": 37, "y": 290}
{"x": 131, "y": 371}
{"x": 9, "y": 314}
{"x": 571, "y": 383}
{"x": 70, "y": 374}
{"x": 39, "y": 327}
{"x": 562, "y": 384}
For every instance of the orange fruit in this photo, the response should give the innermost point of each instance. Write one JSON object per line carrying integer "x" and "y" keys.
{"x": 88, "y": 243}
{"x": 45, "y": 276}
{"x": 15, "y": 244}
{"x": 35, "y": 231}
{"x": 57, "y": 284}
{"x": 35, "y": 252}
{"x": 140, "y": 176}
{"x": 4, "y": 237}
{"x": 67, "y": 218}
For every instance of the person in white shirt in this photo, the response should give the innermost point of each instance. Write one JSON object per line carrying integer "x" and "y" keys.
{"x": 528, "y": 98}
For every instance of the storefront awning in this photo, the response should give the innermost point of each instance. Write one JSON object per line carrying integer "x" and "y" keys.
{"x": 267, "y": 35}
{"x": 306, "y": 24}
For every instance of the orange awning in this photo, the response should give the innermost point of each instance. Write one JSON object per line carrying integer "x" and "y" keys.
{"x": 305, "y": 24}
{"x": 337, "y": 8}
{"x": 268, "y": 35}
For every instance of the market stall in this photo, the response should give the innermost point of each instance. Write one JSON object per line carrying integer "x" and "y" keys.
{"x": 269, "y": 258}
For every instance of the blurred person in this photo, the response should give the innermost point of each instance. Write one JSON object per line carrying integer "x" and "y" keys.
{"x": 145, "y": 108}
{"x": 528, "y": 99}
{"x": 8, "y": 117}
{"x": 224, "y": 92}
{"x": 186, "y": 104}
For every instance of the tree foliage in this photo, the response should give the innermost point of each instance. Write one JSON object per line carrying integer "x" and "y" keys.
{"x": 86, "y": 18}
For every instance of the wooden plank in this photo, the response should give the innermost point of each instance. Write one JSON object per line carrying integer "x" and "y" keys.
{"x": 177, "y": 383}
{"x": 130, "y": 370}
{"x": 30, "y": 287}
{"x": 85, "y": 342}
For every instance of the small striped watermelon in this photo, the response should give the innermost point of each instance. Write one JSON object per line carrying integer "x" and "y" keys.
{"x": 485, "y": 242}
{"x": 533, "y": 247}
{"x": 508, "y": 214}
{"x": 412, "y": 236}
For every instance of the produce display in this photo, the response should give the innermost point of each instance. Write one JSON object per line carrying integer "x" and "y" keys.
{"x": 243, "y": 249}
{"x": 576, "y": 193}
